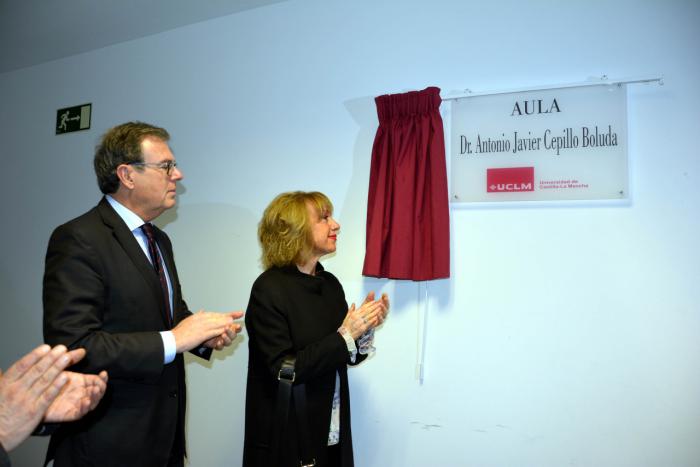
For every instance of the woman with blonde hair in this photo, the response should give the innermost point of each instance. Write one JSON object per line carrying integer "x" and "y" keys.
{"x": 297, "y": 313}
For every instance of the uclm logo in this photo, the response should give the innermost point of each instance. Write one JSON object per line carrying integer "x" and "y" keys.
{"x": 510, "y": 179}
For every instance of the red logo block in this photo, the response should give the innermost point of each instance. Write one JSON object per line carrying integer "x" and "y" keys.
{"x": 510, "y": 179}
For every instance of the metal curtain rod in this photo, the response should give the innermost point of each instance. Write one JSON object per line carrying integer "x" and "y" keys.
{"x": 603, "y": 82}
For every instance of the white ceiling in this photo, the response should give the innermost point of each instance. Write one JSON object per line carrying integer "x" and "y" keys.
{"x": 37, "y": 31}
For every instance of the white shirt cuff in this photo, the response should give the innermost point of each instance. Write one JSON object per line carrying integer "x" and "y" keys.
{"x": 349, "y": 342}
{"x": 169, "y": 346}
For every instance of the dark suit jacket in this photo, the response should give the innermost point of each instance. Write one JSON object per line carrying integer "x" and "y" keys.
{"x": 290, "y": 312}
{"x": 4, "y": 458}
{"x": 101, "y": 293}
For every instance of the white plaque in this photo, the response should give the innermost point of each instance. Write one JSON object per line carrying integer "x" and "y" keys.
{"x": 553, "y": 144}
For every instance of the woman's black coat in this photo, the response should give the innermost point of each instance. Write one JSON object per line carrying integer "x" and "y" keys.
{"x": 290, "y": 312}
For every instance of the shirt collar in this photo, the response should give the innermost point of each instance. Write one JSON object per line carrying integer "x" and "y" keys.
{"x": 130, "y": 218}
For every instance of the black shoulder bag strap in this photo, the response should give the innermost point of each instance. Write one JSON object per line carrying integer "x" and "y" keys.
{"x": 286, "y": 386}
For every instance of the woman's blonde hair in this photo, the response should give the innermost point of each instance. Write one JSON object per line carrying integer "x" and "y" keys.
{"x": 284, "y": 231}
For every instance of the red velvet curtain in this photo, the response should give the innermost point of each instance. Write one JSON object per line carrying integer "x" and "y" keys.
{"x": 408, "y": 228}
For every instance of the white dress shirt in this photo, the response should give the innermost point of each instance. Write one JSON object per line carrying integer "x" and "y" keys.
{"x": 134, "y": 223}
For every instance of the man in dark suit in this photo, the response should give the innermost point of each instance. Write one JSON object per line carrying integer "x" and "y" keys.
{"x": 111, "y": 287}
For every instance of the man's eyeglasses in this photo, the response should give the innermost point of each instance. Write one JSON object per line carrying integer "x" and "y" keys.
{"x": 168, "y": 166}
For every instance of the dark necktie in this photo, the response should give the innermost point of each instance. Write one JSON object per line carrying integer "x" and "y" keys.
{"x": 158, "y": 266}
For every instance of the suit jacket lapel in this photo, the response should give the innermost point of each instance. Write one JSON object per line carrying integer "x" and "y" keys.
{"x": 127, "y": 241}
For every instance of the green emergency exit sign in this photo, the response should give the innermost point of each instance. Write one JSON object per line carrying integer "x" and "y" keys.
{"x": 73, "y": 119}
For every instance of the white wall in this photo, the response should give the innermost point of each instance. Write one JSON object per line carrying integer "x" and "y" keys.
{"x": 566, "y": 336}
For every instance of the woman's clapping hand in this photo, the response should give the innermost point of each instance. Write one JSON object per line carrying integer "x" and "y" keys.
{"x": 369, "y": 315}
